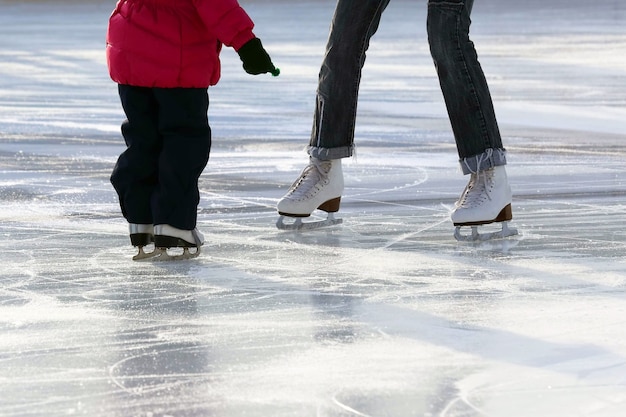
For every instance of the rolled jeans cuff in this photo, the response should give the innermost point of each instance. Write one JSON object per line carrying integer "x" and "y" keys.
{"x": 488, "y": 159}
{"x": 326, "y": 154}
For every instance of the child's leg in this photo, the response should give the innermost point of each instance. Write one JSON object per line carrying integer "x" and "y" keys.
{"x": 186, "y": 137}
{"x": 135, "y": 174}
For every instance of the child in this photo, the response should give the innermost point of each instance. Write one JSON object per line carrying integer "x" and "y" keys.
{"x": 164, "y": 54}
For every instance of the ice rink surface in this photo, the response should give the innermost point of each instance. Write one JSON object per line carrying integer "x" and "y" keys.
{"x": 385, "y": 315}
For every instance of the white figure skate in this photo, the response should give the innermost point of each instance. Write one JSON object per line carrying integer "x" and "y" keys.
{"x": 319, "y": 186}
{"x": 486, "y": 199}
{"x": 168, "y": 238}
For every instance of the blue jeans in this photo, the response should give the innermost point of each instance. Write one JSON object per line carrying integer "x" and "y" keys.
{"x": 462, "y": 81}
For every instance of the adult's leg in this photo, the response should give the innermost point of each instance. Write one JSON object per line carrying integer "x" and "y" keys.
{"x": 353, "y": 24}
{"x": 320, "y": 184}
{"x": 464, "y": 86}
{"x": 487, "y": 196}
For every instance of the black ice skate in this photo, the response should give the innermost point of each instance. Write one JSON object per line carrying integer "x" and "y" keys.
{"x": 173, "y": 244}
{"x": 141, "y": 235}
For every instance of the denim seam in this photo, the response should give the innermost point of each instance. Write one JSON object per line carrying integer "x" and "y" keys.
{"x": 321, "y": 101}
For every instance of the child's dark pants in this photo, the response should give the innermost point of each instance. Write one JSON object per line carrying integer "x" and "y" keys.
{"x": 168, "y": 142}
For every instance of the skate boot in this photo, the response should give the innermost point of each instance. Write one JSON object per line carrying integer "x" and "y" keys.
{"x": 486, "y": 199}
{"x": 141, "y": 235}
{"x": 319, "y": 187}
{"x": 168, "y": 237}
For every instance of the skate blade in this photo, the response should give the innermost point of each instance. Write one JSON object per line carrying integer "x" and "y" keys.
{"x": 162, "y": 254}
{"x": 298, "y": 224}
{"x": 475, "y": 236}
{"x": 142, "y": 255}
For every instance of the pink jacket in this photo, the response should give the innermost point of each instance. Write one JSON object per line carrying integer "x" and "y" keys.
{"x": 173, "y": 43}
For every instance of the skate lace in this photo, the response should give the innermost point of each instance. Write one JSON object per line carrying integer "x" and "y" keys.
{"x": 480, "y": 185}
{"x": 478, "y": 190}
{"x": 309, "y": 182}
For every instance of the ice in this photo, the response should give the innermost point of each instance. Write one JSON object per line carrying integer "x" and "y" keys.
{"x": 384, "y": 315}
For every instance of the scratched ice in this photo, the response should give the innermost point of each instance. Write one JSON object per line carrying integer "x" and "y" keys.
{"x": 385, "y": 315}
